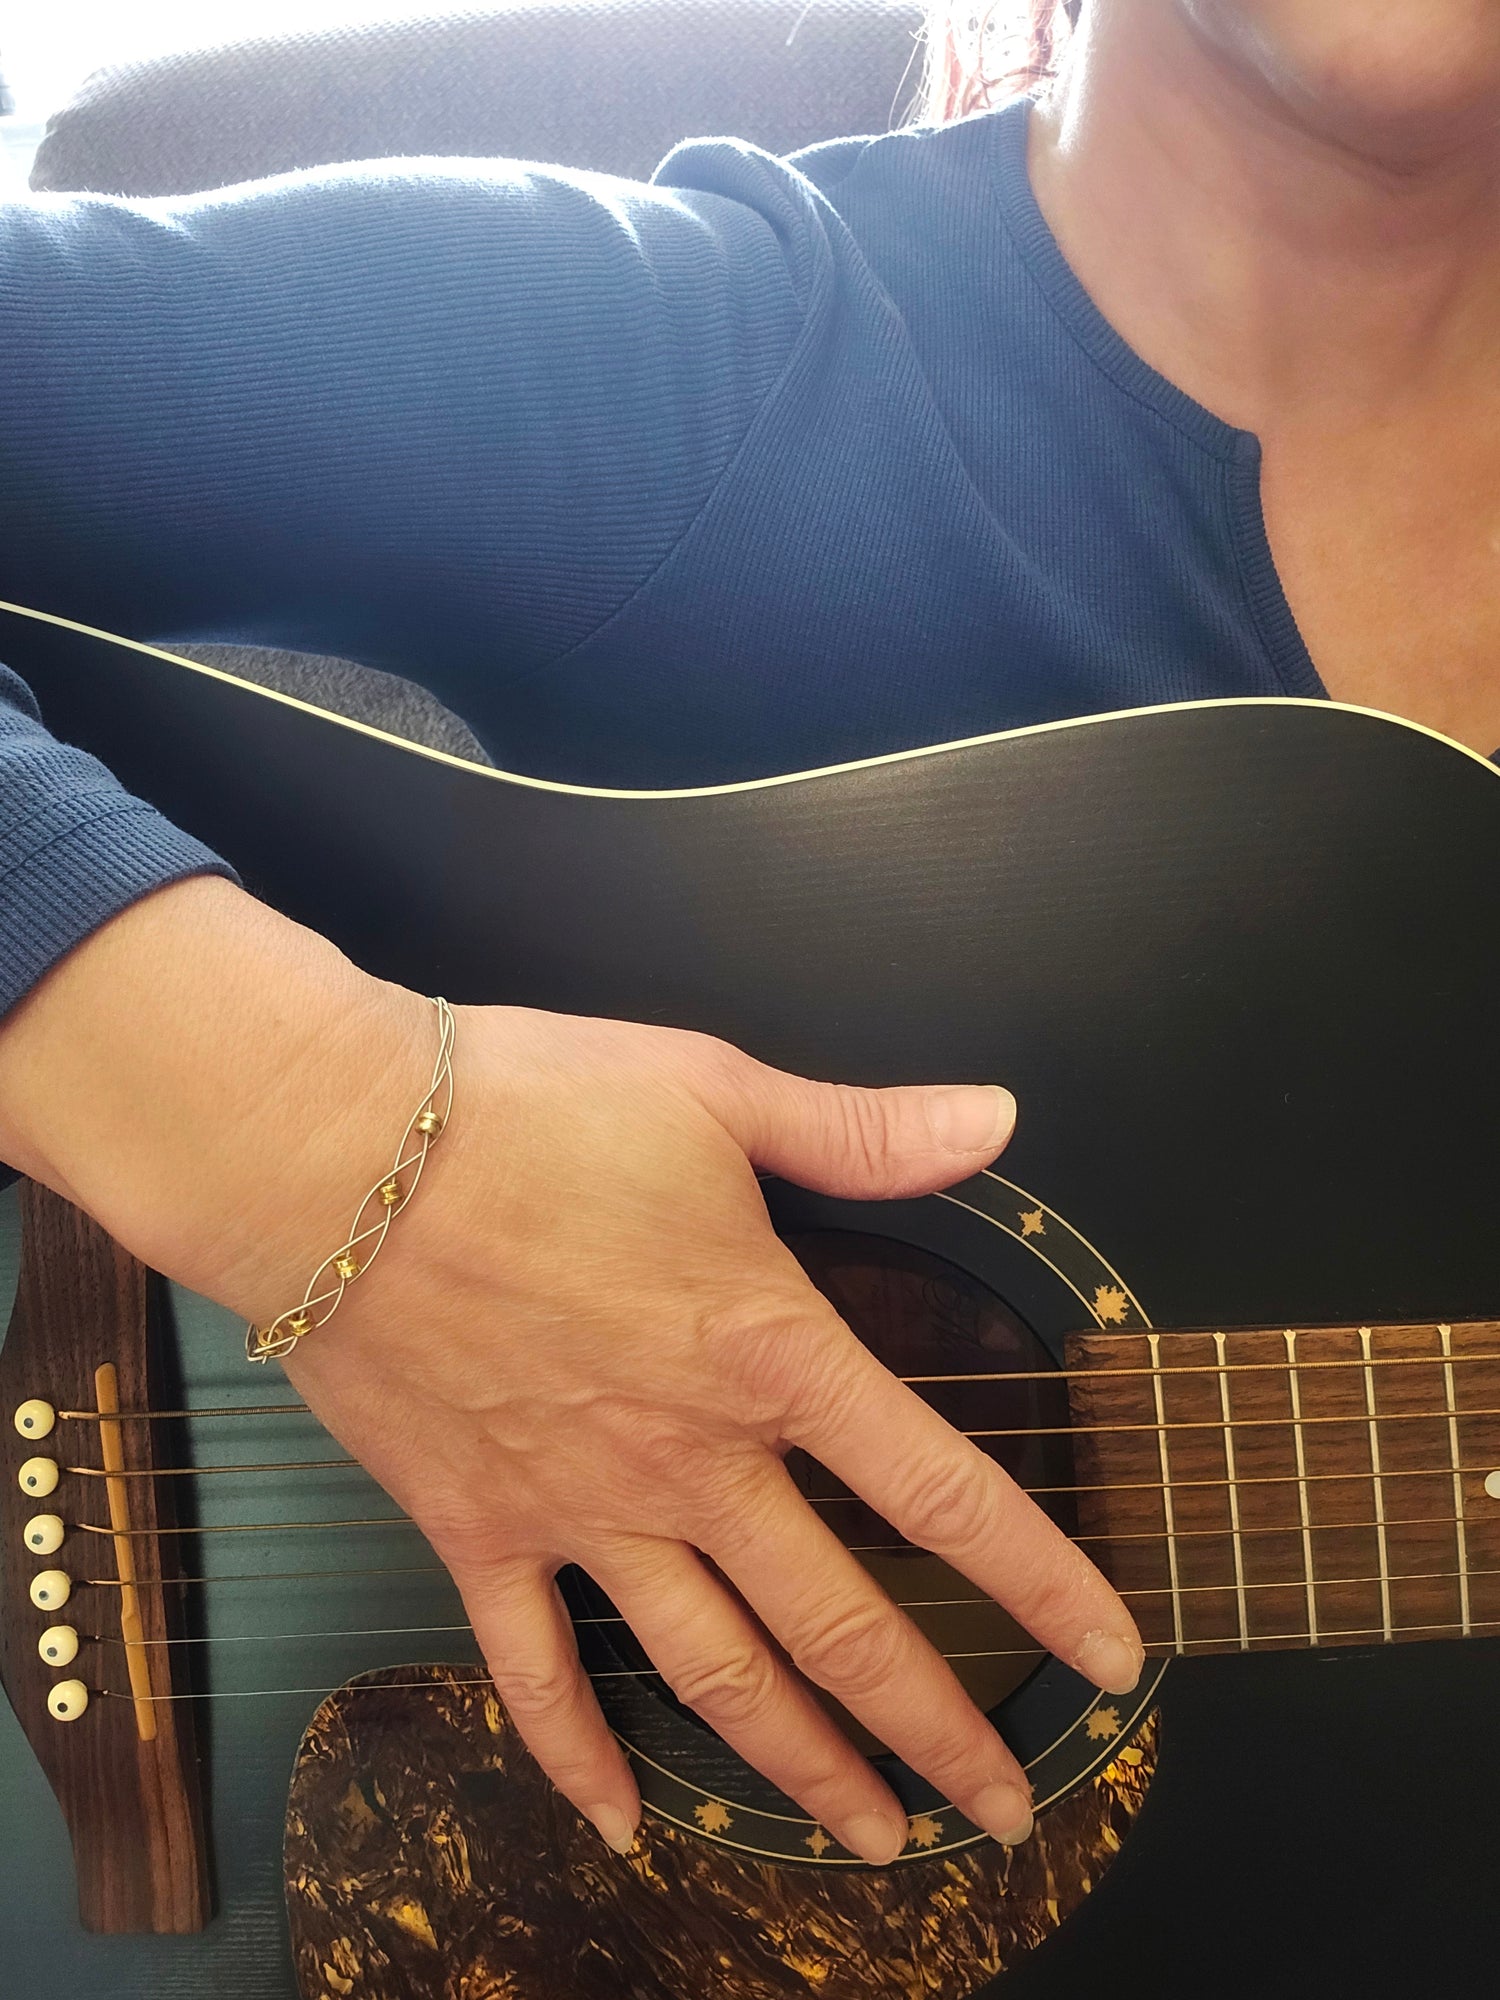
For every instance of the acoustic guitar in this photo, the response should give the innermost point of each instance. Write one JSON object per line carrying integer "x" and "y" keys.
{"x": 1229, "y": 1307}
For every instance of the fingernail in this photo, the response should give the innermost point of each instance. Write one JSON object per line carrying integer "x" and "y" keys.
{"x": 1004, "y": 1812}
{"x": 1109, "y": 1662}
{"x": 974, "y": 1118}
{"x": 874, "y": 1837}
{"x": 614, "y": 1828}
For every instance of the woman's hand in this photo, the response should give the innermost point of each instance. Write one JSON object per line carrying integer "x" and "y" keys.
{"x": 583, "y": 1341}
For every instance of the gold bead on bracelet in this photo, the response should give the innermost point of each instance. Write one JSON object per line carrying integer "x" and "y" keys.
{"x": 373, "y": 1217}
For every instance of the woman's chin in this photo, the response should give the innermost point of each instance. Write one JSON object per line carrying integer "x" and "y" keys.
{"x": 1404, "y": 83}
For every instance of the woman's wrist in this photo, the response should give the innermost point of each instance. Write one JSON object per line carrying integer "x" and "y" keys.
{"x": 215, "y": 1084}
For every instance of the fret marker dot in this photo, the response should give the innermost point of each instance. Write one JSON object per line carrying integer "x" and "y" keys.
{"x": 1492, "y": 1485}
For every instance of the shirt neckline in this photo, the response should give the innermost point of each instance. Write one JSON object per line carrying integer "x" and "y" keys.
{"x": 1066, "y": 295}
{"x": 1239, "y": 450}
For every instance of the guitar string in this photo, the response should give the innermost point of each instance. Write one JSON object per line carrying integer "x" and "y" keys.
{"x": 819, "y": 1501}
{"x": 1052, "y": 1375}
{"x": 849, "y": 1499}
{"x": 616, "y": 1618}
{"x": 1362, "y": 1418}
{"x": 853, "y": 1548}
{"x": 915, "y": 1604}
{"x": 1003, "y": 1375}
{"x": 1178, "y": 1485}
{"x": 1156, "y": 1651}
{"x": 283, "y": 1576}
{"x": 993, "y": 1375}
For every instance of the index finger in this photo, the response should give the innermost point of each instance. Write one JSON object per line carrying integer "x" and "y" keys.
{"x": 935, "y": 1487}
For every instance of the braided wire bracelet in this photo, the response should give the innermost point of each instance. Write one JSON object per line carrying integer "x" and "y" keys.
{"x": 385, "y": 1201}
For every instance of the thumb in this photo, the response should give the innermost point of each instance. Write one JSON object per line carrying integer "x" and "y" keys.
{"x": 861, "y": 1144}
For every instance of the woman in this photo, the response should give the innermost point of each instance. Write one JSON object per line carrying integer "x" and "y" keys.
{"x": 1167, "y": 388}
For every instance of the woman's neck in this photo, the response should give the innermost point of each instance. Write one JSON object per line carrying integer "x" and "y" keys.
{"x": 1274, "y": 271}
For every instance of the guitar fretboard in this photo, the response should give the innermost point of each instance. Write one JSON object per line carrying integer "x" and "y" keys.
{"x": 1337, "y": 1486}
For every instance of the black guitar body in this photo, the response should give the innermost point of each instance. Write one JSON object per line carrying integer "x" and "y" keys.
{"x": 1240, "y": 964}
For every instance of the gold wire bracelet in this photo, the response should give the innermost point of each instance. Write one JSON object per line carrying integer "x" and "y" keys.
{"x": 385, "y": 1200}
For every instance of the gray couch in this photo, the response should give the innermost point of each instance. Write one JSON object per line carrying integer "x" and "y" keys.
{"x": 606, "y": 84}
{"x": 609, "y": 85}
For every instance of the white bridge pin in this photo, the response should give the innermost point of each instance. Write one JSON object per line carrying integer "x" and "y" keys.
{"x": 44, "y": 1534}
{"x": 51, "y": 1589}
{"x": 58, "y": 1645}
{"x": 38, "y": 1477}
{"x": 34, "y": 1419}
{"x": 1492, "y": 1485}
{"x": 67, "y": 1701}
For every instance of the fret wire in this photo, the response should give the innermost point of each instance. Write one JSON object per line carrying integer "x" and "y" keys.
{"x": 1302, "y": 1501}
{"x": 986, "y": 1375}
{"x": 1154, "y": 1342}
{"x": 632, "y": 1673}
{"x": 1445, "y": 1334}
{"x": 1376, "y": 1488}
{"x": 1234, "y": 1496}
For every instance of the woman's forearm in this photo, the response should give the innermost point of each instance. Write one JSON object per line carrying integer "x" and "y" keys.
{"x": 215, "y": 1084}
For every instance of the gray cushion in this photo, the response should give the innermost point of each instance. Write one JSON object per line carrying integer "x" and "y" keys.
{"x": 385, "y": 701}
{"x": 610, "y": 85}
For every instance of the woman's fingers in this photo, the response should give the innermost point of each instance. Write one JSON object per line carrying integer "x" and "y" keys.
{"x": 842, "y": 1631}
{"x": 942, "y": 1493}
{"x": 529, "y": 1647}
{"x": 843, "y": 1139}
{"x": 717, "y": 1660}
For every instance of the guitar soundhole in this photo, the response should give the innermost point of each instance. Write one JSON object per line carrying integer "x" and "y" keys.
{"x": 924, "y": 1316}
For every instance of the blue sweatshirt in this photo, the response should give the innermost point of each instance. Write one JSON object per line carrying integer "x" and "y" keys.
{"x": 765, "y": 465}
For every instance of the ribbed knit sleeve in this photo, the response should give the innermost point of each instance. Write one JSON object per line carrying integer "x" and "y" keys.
{"x": 75, "y": 847}
{"x": 442, "y": 417}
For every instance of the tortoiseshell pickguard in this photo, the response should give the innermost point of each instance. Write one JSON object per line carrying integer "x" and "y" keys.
{"x": 427, "y": 1858}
